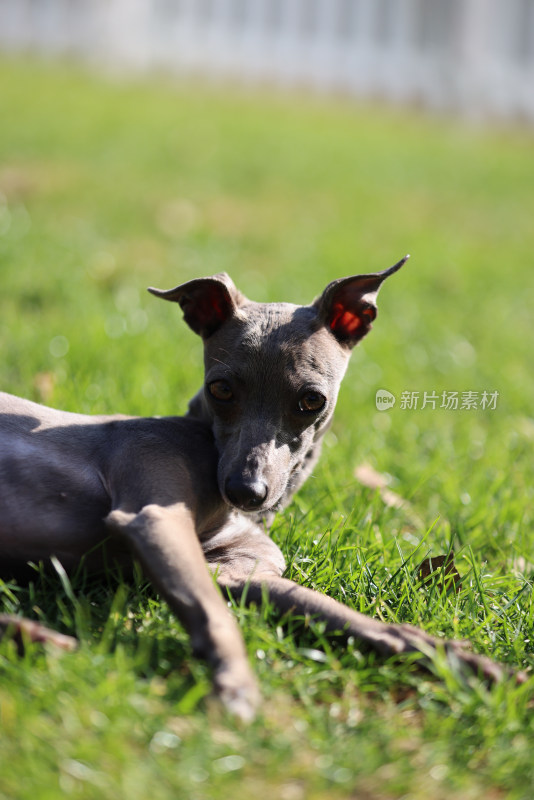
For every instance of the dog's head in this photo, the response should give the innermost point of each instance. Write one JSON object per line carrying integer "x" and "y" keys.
{"x": 272, "y": 375}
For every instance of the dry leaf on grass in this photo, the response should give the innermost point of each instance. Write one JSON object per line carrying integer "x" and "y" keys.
{"x": 44, "y": 383}
{"x": 372, "y": 479}
{"x": 442, "y": 570}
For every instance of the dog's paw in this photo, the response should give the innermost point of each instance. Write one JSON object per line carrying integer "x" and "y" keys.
{"x": 238, "y": 691}
{"x": 488, "y": 670}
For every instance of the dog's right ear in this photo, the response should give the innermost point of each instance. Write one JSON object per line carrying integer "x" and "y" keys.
{"x": 206, "y": 302}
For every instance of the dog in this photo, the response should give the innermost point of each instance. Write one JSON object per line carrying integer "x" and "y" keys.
{"x": 181, "y": 494}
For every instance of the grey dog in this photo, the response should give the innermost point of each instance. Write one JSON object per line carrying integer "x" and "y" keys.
{"x": 184, "y": 493}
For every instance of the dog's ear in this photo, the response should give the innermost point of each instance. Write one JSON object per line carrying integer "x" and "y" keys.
{"x": 347, "y": 307}
{"x": 206, "y": 302}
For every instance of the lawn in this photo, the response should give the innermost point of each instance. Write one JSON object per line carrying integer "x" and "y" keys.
{"x": 108, "y": 186}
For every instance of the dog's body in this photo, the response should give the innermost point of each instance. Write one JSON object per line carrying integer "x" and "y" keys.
{"x": 182, "y": 491}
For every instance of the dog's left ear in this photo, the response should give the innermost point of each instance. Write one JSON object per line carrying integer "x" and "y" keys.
{"x": 347, "y": 307}
{"x": 206, "y": 302}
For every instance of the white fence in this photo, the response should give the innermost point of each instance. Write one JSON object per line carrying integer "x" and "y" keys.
{"x": 476, "y": 56}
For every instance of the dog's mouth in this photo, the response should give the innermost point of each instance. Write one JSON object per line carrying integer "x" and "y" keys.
{"x": 260, "y": 490}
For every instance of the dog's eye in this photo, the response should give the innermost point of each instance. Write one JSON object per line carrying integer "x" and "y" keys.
{"x": 311, "y": 402}
{"x": 220, "y": 390}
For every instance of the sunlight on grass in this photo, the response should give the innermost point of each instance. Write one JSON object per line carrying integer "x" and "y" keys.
{"x": 109, "y": 187}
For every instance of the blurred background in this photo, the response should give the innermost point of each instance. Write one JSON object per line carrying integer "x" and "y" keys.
{"x": 288, "y": 143}
{"x": 147, "y": 142}
{"x": 473, "y": 56}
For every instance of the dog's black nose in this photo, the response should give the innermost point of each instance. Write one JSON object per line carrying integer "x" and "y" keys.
{"x": 243, "y": 494}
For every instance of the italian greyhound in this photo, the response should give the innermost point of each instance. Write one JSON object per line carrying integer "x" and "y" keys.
{"x": 182, "y": 492}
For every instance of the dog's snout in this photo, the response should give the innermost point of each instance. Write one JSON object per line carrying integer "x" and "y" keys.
{"x": 243, "y": 494}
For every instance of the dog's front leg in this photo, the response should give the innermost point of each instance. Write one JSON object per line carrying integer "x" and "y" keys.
{"x": 164, "y": 541}
{"x": 387, "y": 639}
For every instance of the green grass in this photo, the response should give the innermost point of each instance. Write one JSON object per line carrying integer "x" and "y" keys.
{"x": 108, "y": 187}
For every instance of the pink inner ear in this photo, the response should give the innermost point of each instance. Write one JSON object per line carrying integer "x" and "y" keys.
{"x": 344, "y": 322}
{"x": 217, "y": 306}
{"x": 212, "y": 308}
